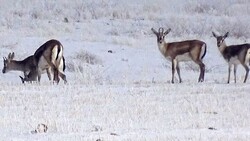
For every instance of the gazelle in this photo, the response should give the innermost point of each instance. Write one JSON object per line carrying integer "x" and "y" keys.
{"x": 234, "y": 55}
{"x": 32, "y": 76}
{"x": 26, "y": 66}
{"x": 49, "y": 57}
{"x": 189, "y": 50}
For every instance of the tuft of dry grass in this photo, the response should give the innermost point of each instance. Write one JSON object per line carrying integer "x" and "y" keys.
{"x": 87, "y": 57}
{"x": 76, "y": 62}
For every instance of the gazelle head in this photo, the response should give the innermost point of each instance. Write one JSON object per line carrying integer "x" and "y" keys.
{"x": 220, "y": 39}
{"x": 7, "y": 62}
{"x": 23, "y": 79}
{"x": 160, "y": 34}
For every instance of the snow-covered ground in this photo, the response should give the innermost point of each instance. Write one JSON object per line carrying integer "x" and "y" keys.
{"x": 118, "y": 82}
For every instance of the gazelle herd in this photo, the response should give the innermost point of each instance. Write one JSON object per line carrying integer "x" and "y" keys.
{"x": 49, "y": 57}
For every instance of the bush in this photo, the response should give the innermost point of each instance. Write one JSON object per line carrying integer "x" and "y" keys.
{"x": 77, "y": 62}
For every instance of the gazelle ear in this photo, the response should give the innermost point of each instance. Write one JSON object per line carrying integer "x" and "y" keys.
{"x": 11, "y": 56}
{"x": 214, "y": 34}
{"x": 154, "y": 31}
{"x": 226, "y": 35}
{"x": 166, "y": 32}
{"x": 22, "y": 79}
{"x": 5, "y": 59}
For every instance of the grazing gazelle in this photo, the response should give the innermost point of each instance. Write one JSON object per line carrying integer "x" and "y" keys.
{"x": 49, "y": 57}
{"x": 32, "y": 76}
{"x": 234, "y": 55}
{"x": 26, "y": 66}
{"x": 189, "y": 50}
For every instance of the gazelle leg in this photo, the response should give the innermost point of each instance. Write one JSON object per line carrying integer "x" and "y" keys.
{"x": 173, "y": 69}
{"x": 178, "y": 71}
{"x": 48, "y": 70}
{"x": 55, "y": 70}
{"x": 202, "y": 70}
{"x": 63, "y": 76}
{"x": 56, "y": 78}
{"x": 39, "y": 77}
{"x": 235, "y": 71}
{"x": 229, "y": 72}
{"x": 247, "y": 71}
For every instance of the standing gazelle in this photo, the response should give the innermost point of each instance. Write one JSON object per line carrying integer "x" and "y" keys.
{"x": 32, "y": 76}
{"x": 189, "y": 50}
{"x": 234, "y": 55}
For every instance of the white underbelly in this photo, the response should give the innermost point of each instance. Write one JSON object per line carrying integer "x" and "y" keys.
{"x": 183, "y": 57}
{"x": 42, "y": 64}
{"x": 234, "y": 60}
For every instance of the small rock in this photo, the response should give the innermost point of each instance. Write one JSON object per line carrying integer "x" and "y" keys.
{"x": 66, "y": 20}
{"x": 41, "y": 128}
{"x": 212, "y": 128}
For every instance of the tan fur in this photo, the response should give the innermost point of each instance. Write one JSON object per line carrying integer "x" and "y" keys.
{"x": 234, "y": 55}
{"x": 26, "y": 65}
{"x": 49, "y": 58}
{"x": 189, "y": 50}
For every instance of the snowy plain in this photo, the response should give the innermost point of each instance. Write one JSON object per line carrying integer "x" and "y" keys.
{"x": 118, "y": 82}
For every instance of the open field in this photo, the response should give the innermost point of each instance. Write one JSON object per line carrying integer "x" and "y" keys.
{"x": 118, "y": 82}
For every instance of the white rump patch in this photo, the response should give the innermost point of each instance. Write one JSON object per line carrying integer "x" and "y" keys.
{"x": 61, "y": 65}
{"x": 247, "y": 58}
{"x": 203, "y": 48}
{"x": 54, "y": 54}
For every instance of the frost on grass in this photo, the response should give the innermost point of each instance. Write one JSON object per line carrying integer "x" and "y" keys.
{"x": 85, "y": 66}
{"x": 194, "y": 17}
{"x": 80, "y": 59}
{"x": 101, "y": 100}
{"x": 87, "y": 57}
